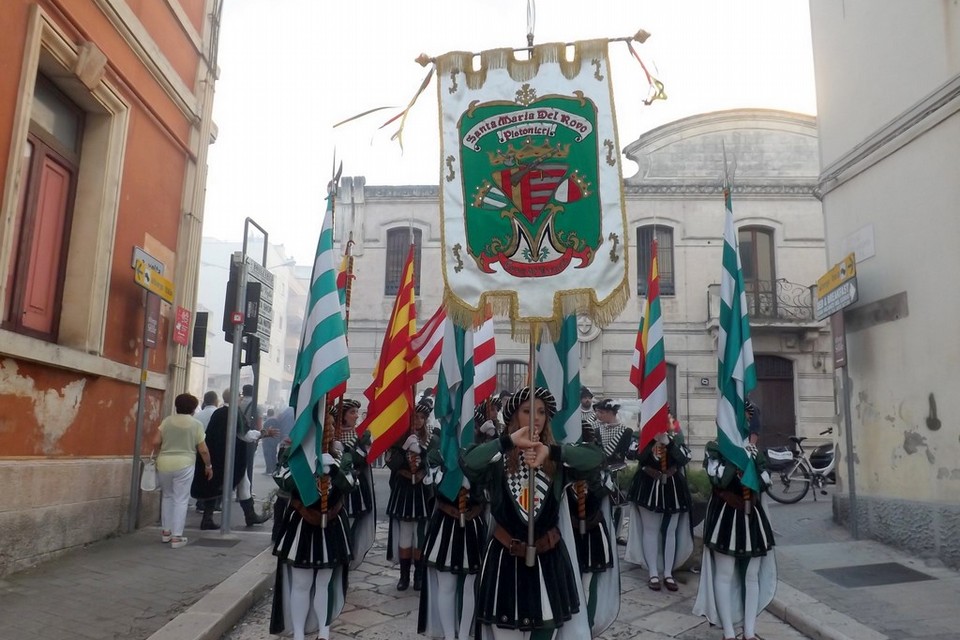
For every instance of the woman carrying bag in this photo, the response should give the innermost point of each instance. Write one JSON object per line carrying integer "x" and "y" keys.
{"x": 180, "y": 438}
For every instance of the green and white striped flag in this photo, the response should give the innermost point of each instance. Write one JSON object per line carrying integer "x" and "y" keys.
{"x": 455, "y": 403}
{"x": 558, "y": 369}
{"x": 322, "y": 362}
{"x": 736, "y": 376}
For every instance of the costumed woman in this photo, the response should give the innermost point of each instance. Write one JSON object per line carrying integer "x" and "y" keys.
{"x": 661, "y": 536}
{"x": 590, "y": 512}
{"x": 361, "y": 505}
{"x": 455, "y": 538}
{"x": 738, "y": 575}
{"x": 313, "y": 545}
{"x": 411, "y": 497}
{"x": 515, "y": 601}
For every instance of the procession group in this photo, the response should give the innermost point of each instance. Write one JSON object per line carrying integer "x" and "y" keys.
{"x": 471, "y": 557}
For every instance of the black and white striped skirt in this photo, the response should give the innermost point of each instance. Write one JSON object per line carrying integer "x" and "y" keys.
{"x": 452, "y": 548}
{"x": 594, "y": 551}
{"x": 410, "y": 501}
{"x": 306, "y": 546}
{"x": 729, "y": 530}
{"x": 662, "y": 495}
{"x": 360, "y": 500}
{"x": 513, "y": 596}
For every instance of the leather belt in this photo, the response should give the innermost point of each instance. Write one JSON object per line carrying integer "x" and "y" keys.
{"x": 518, "y": 548}
{"x": 454, "y": 512}
{"x": 733, "y": 499}
{"x": 312, "y": 515}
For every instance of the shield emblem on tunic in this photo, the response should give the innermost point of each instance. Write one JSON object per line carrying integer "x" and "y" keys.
{"x": 531, "y": 169}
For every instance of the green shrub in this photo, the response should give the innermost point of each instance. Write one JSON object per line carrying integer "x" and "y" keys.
{"x": 699, "y": 483}
{"x": 625, "y": 476}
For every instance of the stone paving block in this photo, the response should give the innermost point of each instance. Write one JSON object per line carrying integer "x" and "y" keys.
{"x": 364, "y": 618}
{"x": 397, "y": 606}
{"x": 668, "y": 622}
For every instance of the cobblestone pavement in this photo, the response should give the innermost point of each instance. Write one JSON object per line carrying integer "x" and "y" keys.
{"x": 376, "y": 610}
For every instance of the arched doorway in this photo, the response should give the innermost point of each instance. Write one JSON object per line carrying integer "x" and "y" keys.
{"x": 774, "y": 396}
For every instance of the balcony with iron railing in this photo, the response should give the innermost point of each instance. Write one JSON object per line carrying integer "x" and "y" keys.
{"x": 773, "y": 303}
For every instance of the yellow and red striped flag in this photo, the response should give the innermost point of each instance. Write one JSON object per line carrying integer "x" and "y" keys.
{"x": 390, "y": 395}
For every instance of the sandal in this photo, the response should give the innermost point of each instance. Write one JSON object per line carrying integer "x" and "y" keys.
{"x": 176, "y": 543}
{"x": 165, "y": 536}
{"x": 670, "y": 583}
{"x": 654, "y": 584}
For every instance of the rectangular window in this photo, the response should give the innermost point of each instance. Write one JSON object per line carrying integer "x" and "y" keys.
{"x": 42, "y": 221}
{"x": 511, "y": 375}
{"x": 398, "y": 244}
{"x": 664, "y": 236}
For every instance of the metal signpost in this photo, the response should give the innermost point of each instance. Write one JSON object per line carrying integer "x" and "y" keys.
{"x": 837, "y": 289}
{"x": 148, "y": 273}
{"x": 237, "y": 320}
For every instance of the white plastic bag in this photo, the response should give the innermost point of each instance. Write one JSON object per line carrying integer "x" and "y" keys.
{"x": 148, "y": 478}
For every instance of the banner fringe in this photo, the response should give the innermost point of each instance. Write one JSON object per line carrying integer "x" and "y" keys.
{"x": 504, "y": 304}
{"x": 521, "y": 70}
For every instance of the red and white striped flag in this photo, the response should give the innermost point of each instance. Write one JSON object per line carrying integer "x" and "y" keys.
{"x": 428, "y": 342}
{"x": 484, "y": 361}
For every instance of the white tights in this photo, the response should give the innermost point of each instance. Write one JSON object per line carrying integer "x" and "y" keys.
{"x": 243, "y": 488}
{"x": 726, "y": 567}
{"x": 301, "y": 582}
{"x": 447, "y": 605}
{"x": 652, "y": 522}
{"x": 405, "y": 533}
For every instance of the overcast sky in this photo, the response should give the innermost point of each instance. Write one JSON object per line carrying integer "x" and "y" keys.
{"x": 290, "y": 69}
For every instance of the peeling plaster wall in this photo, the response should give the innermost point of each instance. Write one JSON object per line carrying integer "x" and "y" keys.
{"x": 52, "y": 412}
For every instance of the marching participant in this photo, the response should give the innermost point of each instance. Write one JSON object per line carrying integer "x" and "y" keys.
{"x": 514, "y": 600}
{"x": 660, "y": 536}
{"x": 454, "y": 543}
{"x": 411, "y": 497}
{"x": 361, "y": 505}
{"x": 313, "y": 546}
{"x": 615, "y": 439}
{"x": 590, "y": 514}
{"x": 739, "y": 570}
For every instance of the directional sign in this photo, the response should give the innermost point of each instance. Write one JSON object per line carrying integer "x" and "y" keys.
{"x": 842, "y": 296}
{"x": 139, "y": 255}
{"x": 840, "y": 273}
{"x": 152, "y": 281}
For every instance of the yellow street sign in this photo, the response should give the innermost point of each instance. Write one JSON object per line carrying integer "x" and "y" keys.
{"x": 840, "y": 273}
{"x": 152, "y": 281}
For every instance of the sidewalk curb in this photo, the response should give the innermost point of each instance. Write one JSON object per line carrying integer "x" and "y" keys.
{"x": 816, "y": 619}
{"x": 216, "y": 613}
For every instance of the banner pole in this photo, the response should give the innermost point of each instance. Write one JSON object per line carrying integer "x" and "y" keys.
{"x": 531, "y": 558}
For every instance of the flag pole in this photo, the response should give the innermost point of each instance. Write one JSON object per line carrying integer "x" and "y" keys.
{"x": 531, "y": 558}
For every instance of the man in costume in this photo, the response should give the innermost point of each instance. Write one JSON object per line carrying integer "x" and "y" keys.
{"x": 313, "y": 545}
{"x": 411, "y": 496}
{"x": 586, "y": 404}
{"x": 612, "y": 433}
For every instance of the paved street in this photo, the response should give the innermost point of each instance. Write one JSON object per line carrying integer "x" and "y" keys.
{"x": 375, "y": 609}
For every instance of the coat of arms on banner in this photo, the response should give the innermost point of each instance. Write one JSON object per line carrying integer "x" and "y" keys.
{"x": 532, "y": 207}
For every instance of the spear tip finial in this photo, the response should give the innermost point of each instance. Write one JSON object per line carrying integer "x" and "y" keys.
{"x": 641, "y": 36}
{"x": 423, "y": 60}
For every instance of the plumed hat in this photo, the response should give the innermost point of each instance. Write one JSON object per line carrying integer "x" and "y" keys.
{"x": 606, "y": 405}
{"x": 513, "y": 402}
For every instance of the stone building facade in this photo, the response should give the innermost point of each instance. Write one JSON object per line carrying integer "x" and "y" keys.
{"x": 675, "y": 195}
{"x": 890, "y": 180}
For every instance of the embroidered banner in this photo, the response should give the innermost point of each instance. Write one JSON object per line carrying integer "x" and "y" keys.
{"x": 531, "y": 206}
